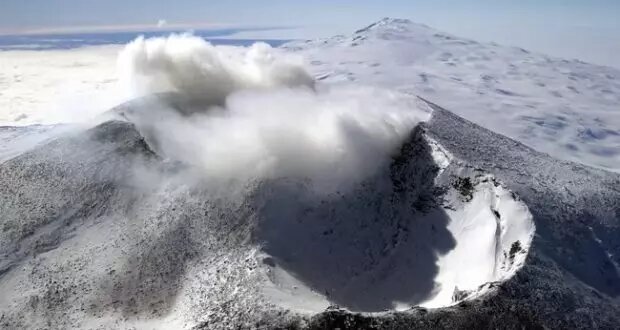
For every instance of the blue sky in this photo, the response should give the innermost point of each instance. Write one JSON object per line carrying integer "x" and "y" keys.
{"x": 585, "y": 29}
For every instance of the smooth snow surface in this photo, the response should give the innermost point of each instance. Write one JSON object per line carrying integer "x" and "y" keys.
{"x": 568, "y": 109}
{"x": 485, "y": 231}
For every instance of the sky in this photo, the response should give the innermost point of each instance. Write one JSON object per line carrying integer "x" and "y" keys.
{"x": 585, "y": 29}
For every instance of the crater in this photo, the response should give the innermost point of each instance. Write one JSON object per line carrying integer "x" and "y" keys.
{"x": 426, "y": 231}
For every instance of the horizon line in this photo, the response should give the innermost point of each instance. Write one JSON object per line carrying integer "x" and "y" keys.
{"x": 168, "y": 27}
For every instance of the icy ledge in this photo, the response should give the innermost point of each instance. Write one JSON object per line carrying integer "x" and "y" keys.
{"x": 446, "y": 236}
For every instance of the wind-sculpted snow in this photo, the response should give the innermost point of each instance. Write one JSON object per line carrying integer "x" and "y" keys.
{"x": 566, "y": 108}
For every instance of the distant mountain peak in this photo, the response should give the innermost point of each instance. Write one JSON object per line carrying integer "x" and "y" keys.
{"x": 389, "y": 22}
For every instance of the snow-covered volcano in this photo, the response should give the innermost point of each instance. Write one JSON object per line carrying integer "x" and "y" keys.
{"x": 99, "y": 225}
{"x": 99, "y": 230}
{"x": 402, "y": 236}
{"x": 568, "y": 109}
{"x": 275, "y": 201}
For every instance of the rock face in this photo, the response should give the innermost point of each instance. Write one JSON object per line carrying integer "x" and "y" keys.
{"x": 99, "y": 231}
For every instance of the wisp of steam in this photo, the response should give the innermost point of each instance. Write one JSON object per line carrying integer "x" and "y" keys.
{"x": 261, "y": 115}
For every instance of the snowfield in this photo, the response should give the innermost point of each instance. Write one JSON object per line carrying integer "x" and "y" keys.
{"x": 568, "y": 109}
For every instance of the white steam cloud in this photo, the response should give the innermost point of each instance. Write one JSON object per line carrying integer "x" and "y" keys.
{"x": 261, "y": 114}
{"x": 191, "y": 66}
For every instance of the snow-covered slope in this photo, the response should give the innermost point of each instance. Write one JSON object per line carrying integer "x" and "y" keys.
{"x": 90, "y": 236}
{"x": 568, "y": 109}
{"x": 100, "y": 231}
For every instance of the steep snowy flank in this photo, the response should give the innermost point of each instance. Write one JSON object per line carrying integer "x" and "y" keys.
{"x": 115, "y": 235}
{"x": 15, "y": 140}
{"x": 109, "y": 232}
{"x": 568, "y": 109}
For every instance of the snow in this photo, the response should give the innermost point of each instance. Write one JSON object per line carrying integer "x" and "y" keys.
{"x": 483, "y": 242}
{"x": 568, "y": 109}
{"x": 165, "y": 252}
{"x": 15, "y": 140}
{"x": 485, "y": 231}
